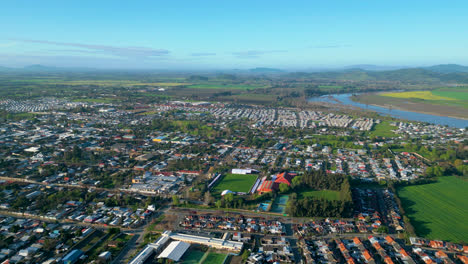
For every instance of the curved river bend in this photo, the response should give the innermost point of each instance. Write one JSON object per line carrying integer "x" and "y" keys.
{"x": 414, "y": 116}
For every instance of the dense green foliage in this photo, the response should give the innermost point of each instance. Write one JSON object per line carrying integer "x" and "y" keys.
{"x": 308, "y": 205}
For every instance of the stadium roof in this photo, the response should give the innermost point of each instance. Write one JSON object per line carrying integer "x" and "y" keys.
{"x": 175, "y": 250}
{"x": 265, "y": 187}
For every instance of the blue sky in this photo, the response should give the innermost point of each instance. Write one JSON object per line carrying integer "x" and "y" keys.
{"x": 232, "y": 34}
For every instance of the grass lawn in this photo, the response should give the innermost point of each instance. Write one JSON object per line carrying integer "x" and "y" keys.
{"x": 325, "y": 194}
{"x": 236, "y": 182}
{"x": 438, "y": 210}
{"x": 214, "y": 258}
{"x": 384, "y": 129}
{"x": 192, "y": 257}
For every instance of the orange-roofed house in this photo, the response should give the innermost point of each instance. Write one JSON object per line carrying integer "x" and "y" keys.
{"x": 367, "y": 255}
{"x": 463, "y": 259}
{"x": 356, "y": 240}
{"x": 350, "y": 261}
{"x": 441, "y": 254}
{"x": 428, "y": 260}
{"x": 377, "y": 246}
{"x": 465, "y": 249}
{"x": 265, "y": 187}
{"x": 388, "y": 260}
{"x": 284, "y": 177}
{"x": 342, "y": 247}
{"x": 403, "y": 253}
{"x": 436, "y": 244}
{"x": 389, "y": 239}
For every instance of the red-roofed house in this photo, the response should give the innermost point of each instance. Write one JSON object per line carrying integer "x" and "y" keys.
{"x": 284, "y": 177}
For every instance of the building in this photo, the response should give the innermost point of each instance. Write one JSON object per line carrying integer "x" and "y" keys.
{"x": 72, "y": 257}
{"x": 151, "y": 248}
{"x": 208, "y": 241}
{"x": 175, "y": 250}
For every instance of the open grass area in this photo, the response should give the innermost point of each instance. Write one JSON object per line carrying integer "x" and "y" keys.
{"x": 438, "y": 210}
{"x": 384, "y": 129}
{"x": 236, "y": 183}
{"x": 192, "y": 256}
{"x": 324, "y": 194}
{"x": 214, "y": 258}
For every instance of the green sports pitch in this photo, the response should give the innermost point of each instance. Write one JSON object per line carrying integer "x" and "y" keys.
{"x": 235, "y": 183}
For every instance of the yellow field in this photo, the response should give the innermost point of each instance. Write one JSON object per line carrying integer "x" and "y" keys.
{"x": 426, "y": 95}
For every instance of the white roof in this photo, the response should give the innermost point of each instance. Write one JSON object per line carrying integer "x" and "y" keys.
{"x": 175, "y": 250}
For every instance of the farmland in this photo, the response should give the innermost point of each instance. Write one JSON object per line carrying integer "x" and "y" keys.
{"x": 236, "y": 183}
{"x": 448, "y": 101}
{"x": 438, "y": 210}
{"x": 425, "y": 95}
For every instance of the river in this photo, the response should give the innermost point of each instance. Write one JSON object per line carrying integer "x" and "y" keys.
{"x": 408, "y": 115}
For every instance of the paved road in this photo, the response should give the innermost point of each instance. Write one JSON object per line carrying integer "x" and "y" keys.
{"x": 139, "y": 234}
{"x": 78, "y": 186}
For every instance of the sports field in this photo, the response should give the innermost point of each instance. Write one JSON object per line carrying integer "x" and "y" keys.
{"x": 236, "y": 183}
{"x": 438, "y": 210}
{"x": 214, "y": 258}
{"x": 192, "y": 256}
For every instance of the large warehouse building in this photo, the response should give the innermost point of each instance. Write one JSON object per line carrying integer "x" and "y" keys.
{"x": 175, "y": 250}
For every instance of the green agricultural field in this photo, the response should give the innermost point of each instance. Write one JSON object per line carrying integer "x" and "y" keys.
{"x": 235, "y": 183}
{"x": 384, "y": 129}
{"x": 324, "y": 194}
{"x": 438, "y": 210}
{"x": 458, "y": 93}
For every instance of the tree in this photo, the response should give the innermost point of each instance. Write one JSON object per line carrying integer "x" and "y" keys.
{"x": 283, "y": 187}
{"x": 382, "y": 229}
{"x": 296, "y": 182}
{"x": 228, "y": 198}
{"x": 208, "y": 198}
{"x": 175, "y": 200}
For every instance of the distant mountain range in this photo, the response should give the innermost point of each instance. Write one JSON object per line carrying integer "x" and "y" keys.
{"x": 443, "y": 73}
{"x": 441, "y": 68}
{"x": 448, "y": 68}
